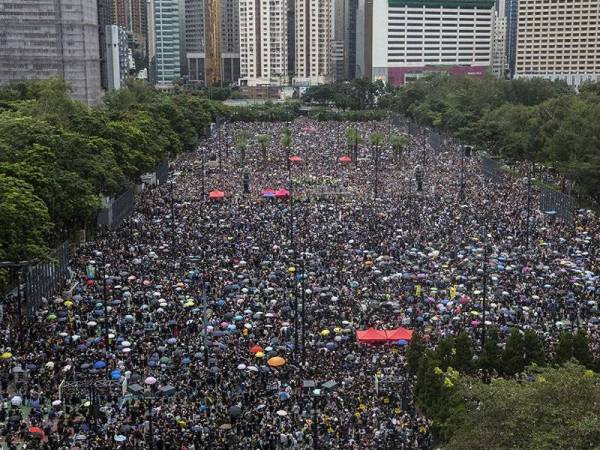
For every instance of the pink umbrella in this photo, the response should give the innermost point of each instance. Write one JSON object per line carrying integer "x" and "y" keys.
{"x": 295, "y": 159}
{"x": 216, "y": 195}
{"x": 475, "y": 323}
{"x": 224, "y": 324}
{"x": 282, "y": 193}
{"x": 345, "y": 159}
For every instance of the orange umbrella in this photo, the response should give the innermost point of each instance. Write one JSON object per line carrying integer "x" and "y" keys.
{"x": 276, "y": 361}
{"x": 256, "y": 349}
{"x": 36, "y": 430}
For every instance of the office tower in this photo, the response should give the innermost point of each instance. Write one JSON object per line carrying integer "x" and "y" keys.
{"x": 343, "y": 39}
{"x": 225, "y": 66}
{"x": 559, "y": 40}
{"x": 338, "y": 39}
{"x": 166, "y": 42}
{"x": 104, "y": 19}
{"x": 313, "y": 42}
{"x": 45, "y": 38}
{"x": 499, "y": 49}
{"x": 364, "y": 39}
{"x": 117, "y": 56}
{"x": 291, "y": 37}
{"x": 512, "y": 24}
{"x": 151, "y": 29}
{"x": 263, "y": 42}
{"x": 415, "y": 36}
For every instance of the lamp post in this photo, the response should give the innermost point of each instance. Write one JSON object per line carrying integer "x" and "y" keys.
{"x": 194, "y": 260}
{"x": 171, "y": 186}
{"x": 103, "y": 267}
{"x": 316, "y": 394}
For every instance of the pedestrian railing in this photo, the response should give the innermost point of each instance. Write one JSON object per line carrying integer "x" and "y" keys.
{"x": 557, "y": 204}
{"x": 117, "y": 210}
{"x": 46, "y": 279}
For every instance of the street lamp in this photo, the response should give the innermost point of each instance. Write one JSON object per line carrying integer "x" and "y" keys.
{"x": 195, "y": 260}
{"x": 171, "y": 186}
{"x": 316, "y": 394}
{"x": 91, "y": 267}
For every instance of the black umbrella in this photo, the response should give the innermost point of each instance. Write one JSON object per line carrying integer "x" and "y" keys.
{"x": 235, "y": 411}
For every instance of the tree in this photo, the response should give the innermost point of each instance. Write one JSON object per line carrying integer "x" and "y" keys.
{"x": 398, "y": 142}
{"x": 286, "y": 141}
{"x": 550, "y": 412}
{"x": 490, "y": 358}
{"x": 513, "y": 358}
{"x": 353, "y": 138}
{"x": 24, "y": 222}
{"x": 581, "y": 349}
{"x": 563, "y": 349}
{"x": 463, "y": 355}
{"x": 263, "y": 141}
{"x": 376, "y": 140}
{"x": 241, "y": 143}
{"x": 444, "y": 353}
{"x": 533, "y": 348}
{"x": 414, "y": 351}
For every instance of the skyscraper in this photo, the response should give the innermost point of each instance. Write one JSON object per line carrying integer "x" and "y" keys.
{"x": 313, "y": 41}
{"x": 415, "y": 36}
{"x": 166, "y": 42}
{"x": 45, "y": 38}
{"x": 512, "y": 24}
{"x": 225, "y": 65}
{"x": 559, "y": 40}
{"x": 117, "y": 56}
{"x": 499, "y": 49}
{"x": 132, "y": 16}
{"x": 104, "y": 19}
{"x": 343, "y": 40}
{"x": 263, "y": 42}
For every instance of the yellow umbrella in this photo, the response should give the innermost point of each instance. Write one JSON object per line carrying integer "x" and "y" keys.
{"x": 189, "y": 303}
{"x": 291, "y": 269}
{"x": 68, "y": 303}
{"x": 259, "y": 354}
{"x": 6, "y": 355}
{"x": 337, "y": 330}
{"x": 276, "y": 361}
{"x": 325, "y": 332}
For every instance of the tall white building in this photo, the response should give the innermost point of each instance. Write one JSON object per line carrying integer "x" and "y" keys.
{"x": 263, "y": 42}
{"x": 499, "y": 43}
{"x": 163, "y": 27}
{"x": 415, "y": 36}
{"x": 313, "y": 20}
{"x": 117, "y": 56}
{"x": 559, "y": 40}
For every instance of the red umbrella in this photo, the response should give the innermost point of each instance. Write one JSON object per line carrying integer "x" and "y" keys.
{"x": 295, "y": 159}
{"x": 267, "y": 191}
{"x": 255, "y": 349}
{"x": 36, "y": 430}
{"x": 282, "y": 193}
{"x": 216, "y": 195}
{"x": 345, "y": 159}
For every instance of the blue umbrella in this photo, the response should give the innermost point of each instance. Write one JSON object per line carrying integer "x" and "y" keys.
{"x": 238, "y": 317}
{"x": 115, "y": 374}
{"x": 330, "y": 346}
{"x": 402, "y": 342}
{"x": 284, "y": 396}
{"x": 186, "y": 360}
{"x": 99, "y": 365}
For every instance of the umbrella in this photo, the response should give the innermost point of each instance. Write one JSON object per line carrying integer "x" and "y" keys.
{"x": 216, "y": 195}
{"x": 282, "y": 193}
{"x": 345, "y": 159}
{"x": 16, "y": 401}
{"x": 150, "y": 381}
{"x": 295, "y": 159}
{"x": 259, "y": 354}
{"x": 284, "y": 396}
{"x": 241, "y": 366}
{"x": 36, "y": 430}
{"x": 6, "y": 355}
{"x": 235, "y": 411}
{"x": 281, "y": 413}
{"x": 99, "y": 365}
{"x": 120, "y": 438}
{"x": 255, "y": 349}
{"x": 276, "y": 361}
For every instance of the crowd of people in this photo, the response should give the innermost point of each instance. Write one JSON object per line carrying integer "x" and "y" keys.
{"x": 167, "y": 339}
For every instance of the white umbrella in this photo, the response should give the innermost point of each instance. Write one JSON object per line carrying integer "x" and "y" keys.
{"x": 126, "y": 344}
{"x": 281, "y": 413}
{"x": 91, "y": 323}
{"x": 56, "y": 403}
{"x": 16, "y": 401}
{"x": 241, "y": 366}
{"x": 150, "y": 380}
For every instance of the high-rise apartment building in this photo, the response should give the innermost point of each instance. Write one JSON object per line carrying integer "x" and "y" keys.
{"x": 415, "y": 36}
{"x": 117, "y": 56}
{"x": 166, "y": 62}
{"x": 104, "y": 19}
{"x": 364, "y": 39}
{"x": 559, "y": 40}
{"x": 512, "y": 24}
{"x": 499, "y": 48}
{"x": 45, "y": 38}
{"x": 132, "y": 16}
{"x": 263, "y": 42}
{"x": 313, "y": 42}
{"x": 224, "y": 40}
